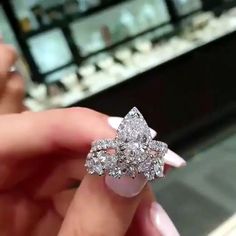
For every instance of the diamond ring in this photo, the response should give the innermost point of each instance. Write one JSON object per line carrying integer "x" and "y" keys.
{"x": 131, "y": 153}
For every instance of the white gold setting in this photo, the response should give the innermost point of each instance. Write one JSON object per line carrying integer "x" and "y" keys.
{"x": 131, "y": 153}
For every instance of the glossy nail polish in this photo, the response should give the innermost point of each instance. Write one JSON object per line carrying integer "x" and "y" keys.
{"x": 126, "y": 186}
{"x": 173, "y": 159}
{"x": 161, "y": 221}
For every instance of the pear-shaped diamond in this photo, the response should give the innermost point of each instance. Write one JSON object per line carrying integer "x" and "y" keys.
{"x": 134, "y": 128}
{"x": 134, "y": 134}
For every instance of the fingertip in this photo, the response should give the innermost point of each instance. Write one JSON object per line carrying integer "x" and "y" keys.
{"x": 126, "y": 186}
{"x": 15, "y": 85}
{"x": 162, "y": 221}
{"x": 114, "y": 122}
{"x": 173, "y": 159}
{"x": 9, "y": 54}
{"x": 153, "y": 133}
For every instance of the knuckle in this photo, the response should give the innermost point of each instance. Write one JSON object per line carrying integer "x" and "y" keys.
{"x": 3, "y": 74}
{"x": 82, "y": 112}
{"x": 9, "y": 50}
{"x": 16, "y": 85}
{"x": 8, "y": 56}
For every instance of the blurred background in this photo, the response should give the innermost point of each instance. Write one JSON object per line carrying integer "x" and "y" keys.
{"x": 173, "y": 59}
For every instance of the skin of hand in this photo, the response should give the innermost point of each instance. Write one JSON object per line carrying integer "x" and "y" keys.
{"x": 11, "y": 82}
{"x": 42, "y": 159}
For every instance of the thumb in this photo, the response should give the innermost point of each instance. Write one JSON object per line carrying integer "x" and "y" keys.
{"x": 103, "y": 206}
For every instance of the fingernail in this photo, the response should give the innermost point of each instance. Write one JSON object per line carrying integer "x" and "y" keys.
{"x": 173, "y": 159}
{"x": 162, "y": 221}
{"x": 114, "y": 122}
{"x": 126, "y": 186}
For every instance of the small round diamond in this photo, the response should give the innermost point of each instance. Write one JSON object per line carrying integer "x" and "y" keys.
{"x": 145, "y": 166}
{"x": 133, "y": 152}
{"x": 115, "y": 172}
{"x": 94, "y": 166}
{"x": 110, "y": 163}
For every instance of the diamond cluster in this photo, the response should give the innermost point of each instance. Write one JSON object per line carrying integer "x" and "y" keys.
{"x": 132, "y": 152}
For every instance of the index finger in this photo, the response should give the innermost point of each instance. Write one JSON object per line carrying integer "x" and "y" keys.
{"x": 30, "y": 135}
{"x": 8, "y": 57}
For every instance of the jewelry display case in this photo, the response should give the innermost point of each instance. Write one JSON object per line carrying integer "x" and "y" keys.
{"x": 71, "y": 44}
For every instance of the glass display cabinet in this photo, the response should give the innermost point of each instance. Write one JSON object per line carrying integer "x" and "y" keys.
{"x": 78, "y": 48}
{"x": 75, "y": 49}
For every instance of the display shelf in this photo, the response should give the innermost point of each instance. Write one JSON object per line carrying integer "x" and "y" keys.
{"x": 175, "y": 17}
{"x": 68, "y": 19}
{"x": 219, "y": 7}
{"x": 64, "y": 26}
{"x": 161, "y": 54}
{"x": 115, "y": 45}
{"x": 126, "y": 40}
{"x": 59, "y": 68}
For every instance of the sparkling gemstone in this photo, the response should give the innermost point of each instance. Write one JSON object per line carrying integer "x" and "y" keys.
{"x": 103, "y": 144}
{"x": 132, "y": 171}
{"x": 150, "y": 175}
{"x": 132, "y": 152}
{"x": 151, "y": 169}
{"x": 94, "y": 166}
{"x": 134, "y": 128}
{"x": 158, "y": 170}
{"x": 95, "y": 163}
{"x": 145, "y": 166}
{"x": 158, "y": 148}
{"x": 101, "y": 156}
{"x": 154, "y": 145}
{"x": 98, "y": 168}
{"x": 115, "y": 172}
{"x": 89, "y": 165}
{"x": 110, "y": 162}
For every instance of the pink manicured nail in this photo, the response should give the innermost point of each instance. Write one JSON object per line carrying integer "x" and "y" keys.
{"x": 126, "y": 186}
{"x": 162, "y": 221}
{"x": 114, "y": 122}
{"x": 173, "y": 159}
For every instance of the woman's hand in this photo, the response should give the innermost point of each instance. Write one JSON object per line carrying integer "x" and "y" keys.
{"x": 41, "y": 163}
{"x": 11, "y": 83}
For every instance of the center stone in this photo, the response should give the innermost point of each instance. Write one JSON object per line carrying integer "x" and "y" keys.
{"x": 134, "y": 150}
